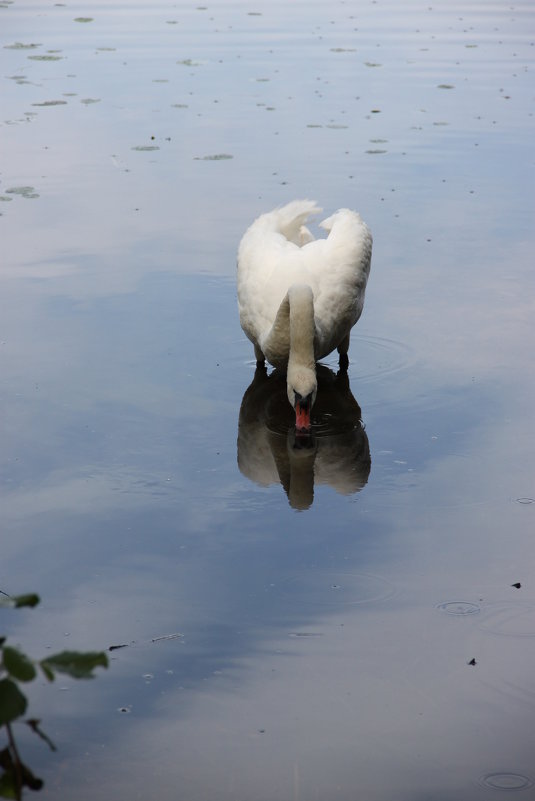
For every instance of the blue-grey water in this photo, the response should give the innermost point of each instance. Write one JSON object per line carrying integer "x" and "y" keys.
{"x": 299, "y": 623}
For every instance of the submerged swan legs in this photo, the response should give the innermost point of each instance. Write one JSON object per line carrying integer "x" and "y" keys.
{"x": 260, "y": 358}
{"x": 343, "y": 348}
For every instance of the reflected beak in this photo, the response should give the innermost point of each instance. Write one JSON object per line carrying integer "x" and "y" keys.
{"x": 302, "y": 416}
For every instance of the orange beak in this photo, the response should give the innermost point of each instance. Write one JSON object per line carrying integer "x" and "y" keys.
{"x": 302, "y": 417}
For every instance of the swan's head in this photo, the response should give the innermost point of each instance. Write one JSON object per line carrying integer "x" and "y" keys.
{"x": 302, "y": 388}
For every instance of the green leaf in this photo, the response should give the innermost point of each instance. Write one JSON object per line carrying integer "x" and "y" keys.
{"x": 49, "y": 673}
{"x": 18, "y": 665}
{"x": 8, "y": 785}
{"x": 12, "y": 702}
{"x": 75, "y": 663}
{"x": 30, "y": 599}
{"x": 16, "y": 601}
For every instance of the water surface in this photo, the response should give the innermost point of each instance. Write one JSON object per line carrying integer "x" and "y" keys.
{"x": 299, "y": 623}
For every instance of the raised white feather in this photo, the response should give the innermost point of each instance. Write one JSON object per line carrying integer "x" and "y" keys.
{"x": 298, "y": 296}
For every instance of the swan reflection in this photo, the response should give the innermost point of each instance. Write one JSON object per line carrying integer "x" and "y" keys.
{"x": 271, "y": 452}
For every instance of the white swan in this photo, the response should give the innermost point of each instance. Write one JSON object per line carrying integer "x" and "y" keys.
{"x": 298, "y": 296}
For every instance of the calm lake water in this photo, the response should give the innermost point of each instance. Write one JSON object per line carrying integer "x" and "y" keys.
{"x": 299, "y": 625}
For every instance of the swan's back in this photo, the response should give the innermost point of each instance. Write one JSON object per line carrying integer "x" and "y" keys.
{"x": 278, "y": 251}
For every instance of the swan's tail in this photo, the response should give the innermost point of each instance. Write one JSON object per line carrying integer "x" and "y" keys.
{"x": 290, "y": 220}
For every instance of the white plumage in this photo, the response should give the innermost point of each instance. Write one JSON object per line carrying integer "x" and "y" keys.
{"x": 298, "y": 296}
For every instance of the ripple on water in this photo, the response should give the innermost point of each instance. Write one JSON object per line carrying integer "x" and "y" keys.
{"x": 332, "y": 588}
{"x": 379, "y": 357}
{"x": 506, "y": 781}
{"x": 459, "y": 608}
{"x": 509, "y": 619}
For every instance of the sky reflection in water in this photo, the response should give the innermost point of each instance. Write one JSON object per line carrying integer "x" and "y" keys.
{"x": 325, "y": 639}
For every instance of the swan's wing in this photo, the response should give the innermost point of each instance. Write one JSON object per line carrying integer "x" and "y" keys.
{"x": 270, "y": 260}
{"x": 340, "y": 266}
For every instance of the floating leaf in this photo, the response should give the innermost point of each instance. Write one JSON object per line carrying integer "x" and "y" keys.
{"x": 75, "y": 664}
{"x": 18, "y": 665}
{"x": 83, "y": 19}
{"x": 12, "y": 702}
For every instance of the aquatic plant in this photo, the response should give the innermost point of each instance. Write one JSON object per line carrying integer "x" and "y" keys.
{"x": 16, "y": 668}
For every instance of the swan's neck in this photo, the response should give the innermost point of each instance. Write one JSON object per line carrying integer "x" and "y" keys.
{"x": 290, "y": 341}
{"x": 302, "y": 329}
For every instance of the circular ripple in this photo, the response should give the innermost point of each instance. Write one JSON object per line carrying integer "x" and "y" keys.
{"x": 509, "y": 619}
{"x": 378, "y": 357}
{"x": 506, "y": 781}
{"x": 331, "y": 588}
{"x": 459, "y": 608}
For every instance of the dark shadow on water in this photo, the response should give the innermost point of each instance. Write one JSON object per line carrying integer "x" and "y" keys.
{"x": 337, "y": 452}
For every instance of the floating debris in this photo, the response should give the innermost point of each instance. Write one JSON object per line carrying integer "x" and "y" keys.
{"x": 516, "y": 585}
{"x": 51, "y": 103}
{"x": 22, "y": 46}
{"x": 445, "y": 86}
{"x": 176, "y": 636}
{"x": 45, "y": 58}
{"x": 214, "y": 157}
{"x": 83, "y": 19}
{"x": 23, "y": 191}
{"x": 87, "y": 101}
{"x": 145, "y": 147}
{"x": 472, "y": 662}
